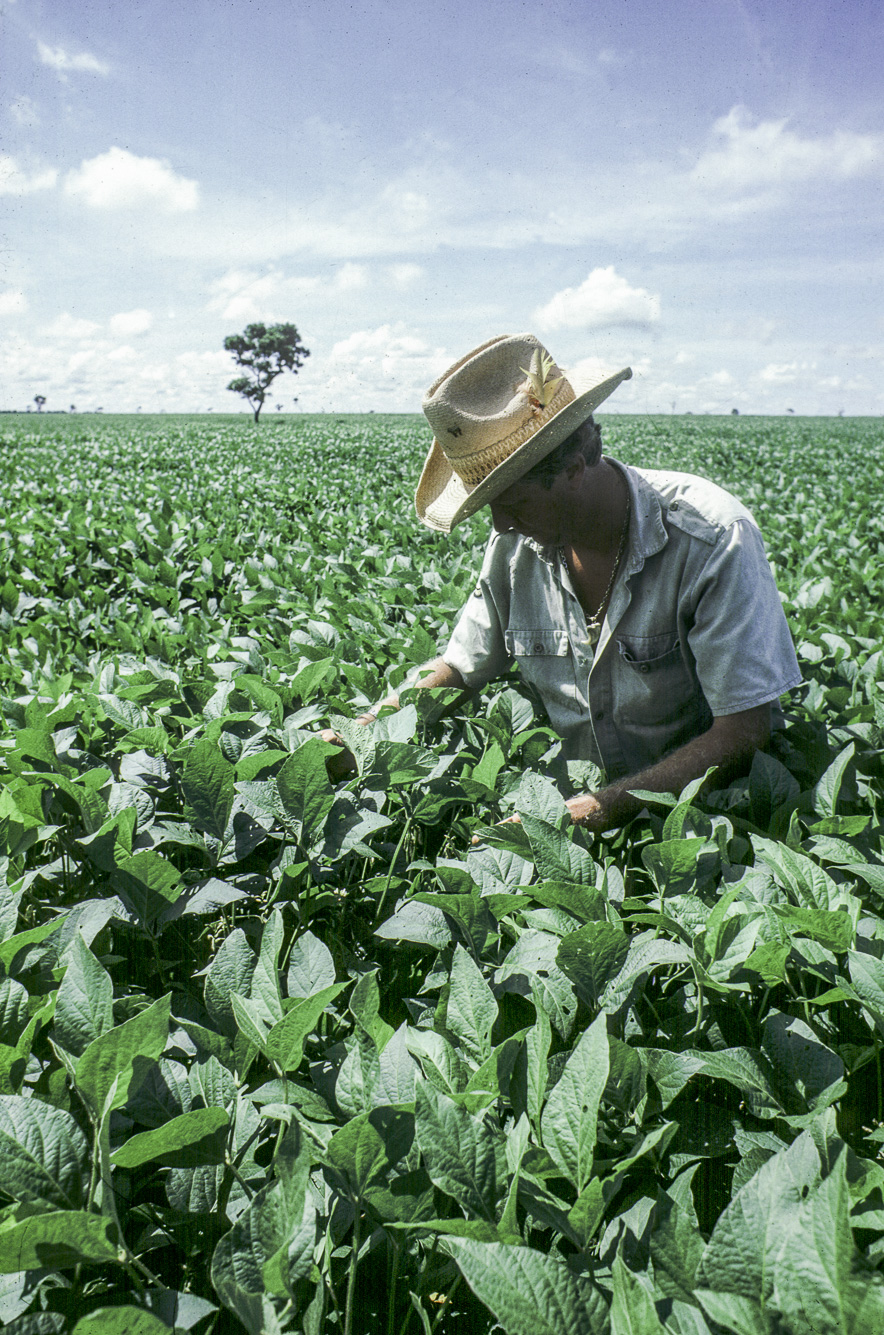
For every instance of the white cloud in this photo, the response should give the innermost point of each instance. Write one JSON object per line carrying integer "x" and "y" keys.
{"x": 590, "y": 371}
{"x": 65, "y": 62}
{"x": 405, "y": 275}
{"x": 767, "y": 153}
{"x": 602, "y": 300}
{"x": 24, "y": 111}
{"x": 783, "y": 373}
{"x": 13, "y": 302}
{"x": 386, "y": 368}
{"x": 119, "y": 179}
{"x": 67, "y": 326}
{"x": 129, "y": 324}
{"x": 243, "y": 295}
{"x": 14, "y": 180}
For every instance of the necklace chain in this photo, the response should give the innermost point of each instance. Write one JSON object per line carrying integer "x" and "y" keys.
{"x": 594, "y": 623}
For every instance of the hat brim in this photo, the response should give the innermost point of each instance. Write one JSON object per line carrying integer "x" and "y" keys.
{"x": 442, "y": 499}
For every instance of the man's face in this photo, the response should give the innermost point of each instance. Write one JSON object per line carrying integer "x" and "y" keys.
{"x": 531, "y": 509}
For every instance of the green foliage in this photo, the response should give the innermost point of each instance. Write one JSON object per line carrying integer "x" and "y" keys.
{"x": 264, "y": 352}
{"x": 286, "y": 1053}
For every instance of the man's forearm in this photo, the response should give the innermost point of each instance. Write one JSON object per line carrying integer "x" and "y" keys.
{"x": 436, "y": 673}
{"x": 729, "y": 745}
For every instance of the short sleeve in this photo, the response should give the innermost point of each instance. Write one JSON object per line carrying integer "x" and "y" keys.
{"x": 740, "y": 637}
{"x": 477, "y": 647}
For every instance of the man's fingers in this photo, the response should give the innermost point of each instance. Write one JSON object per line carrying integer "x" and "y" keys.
{"x": 510, "y": 820}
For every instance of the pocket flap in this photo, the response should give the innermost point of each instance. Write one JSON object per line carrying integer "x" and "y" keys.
{"x": 635, "y": 657}
{"x": 536, "y": 643}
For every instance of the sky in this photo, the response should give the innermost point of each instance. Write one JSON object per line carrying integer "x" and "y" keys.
{"x": 694, "y": 190}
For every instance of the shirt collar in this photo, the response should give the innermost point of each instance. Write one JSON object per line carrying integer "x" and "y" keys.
{"x": 647, "y": 532}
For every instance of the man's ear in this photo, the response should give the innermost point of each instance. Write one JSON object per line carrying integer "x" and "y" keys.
{"x": 574, "y": 470}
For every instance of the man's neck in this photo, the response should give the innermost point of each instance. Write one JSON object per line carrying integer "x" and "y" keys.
{"x": 600, "y": 513}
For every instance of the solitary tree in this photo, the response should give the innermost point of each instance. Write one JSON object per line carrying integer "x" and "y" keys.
{"x": 264, "y": 352}
{"x": 39, "y": 399}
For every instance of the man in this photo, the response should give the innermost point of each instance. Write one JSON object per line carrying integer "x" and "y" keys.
{"x": 639, "y": 602}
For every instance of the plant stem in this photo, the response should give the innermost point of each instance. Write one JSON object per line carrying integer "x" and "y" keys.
{"x": 238, "y": 1176}
{"x": 394, "y": 1280}
{"x": 445, "y": 1301}
{"x": 406, "y": 827}
{"x": 351, "y": 1281}
{"x": 96, "y": 1161}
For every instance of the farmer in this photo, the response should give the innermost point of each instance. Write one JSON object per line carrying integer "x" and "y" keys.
{"x": 639, "y": 602}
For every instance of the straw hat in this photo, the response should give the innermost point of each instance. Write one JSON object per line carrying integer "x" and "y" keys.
{"x": 494, "y": 414}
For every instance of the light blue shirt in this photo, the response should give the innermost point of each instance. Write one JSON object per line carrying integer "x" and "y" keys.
{"x": 694, "y": 628}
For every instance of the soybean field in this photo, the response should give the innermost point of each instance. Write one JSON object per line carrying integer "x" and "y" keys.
{"x": 279, "y": 1054}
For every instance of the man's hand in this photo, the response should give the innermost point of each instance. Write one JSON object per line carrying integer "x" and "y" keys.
{"x": 344, "y": 763}
{"x": 588, "y": 810}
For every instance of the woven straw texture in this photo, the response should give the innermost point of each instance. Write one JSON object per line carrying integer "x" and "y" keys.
{"x": 489, "y": 430}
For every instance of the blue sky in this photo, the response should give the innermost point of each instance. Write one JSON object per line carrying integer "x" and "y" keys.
{"x": 694, "y": 190}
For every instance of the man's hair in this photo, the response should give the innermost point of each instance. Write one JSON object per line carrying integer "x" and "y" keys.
{"x": 586, "y": 440}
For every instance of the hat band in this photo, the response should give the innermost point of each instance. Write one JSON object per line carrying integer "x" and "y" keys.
{"x": 474, "y": 468}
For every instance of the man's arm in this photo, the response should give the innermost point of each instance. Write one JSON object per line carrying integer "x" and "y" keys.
{"x": 435, "y": 673}
{"x": 729, "y": 744}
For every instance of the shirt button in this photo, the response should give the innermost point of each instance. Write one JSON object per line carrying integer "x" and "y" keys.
{"x": 539, "y": 649}
{"x": 599, "y": 715}
{"x": 674, "y": 505}
{"x": 643, "y": 667}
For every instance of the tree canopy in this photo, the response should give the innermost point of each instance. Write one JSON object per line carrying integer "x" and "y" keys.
{"x": 264, "y": 351}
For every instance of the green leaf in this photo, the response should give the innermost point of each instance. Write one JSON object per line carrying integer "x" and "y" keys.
{"x": 471, "y": 1009}
{"x": 762, "y": 1221}
{"x": 365, "y": 1003}
{"x": 254, "y": 1260}
{"x": 43, "y": 1153}
{"x": 537, "y": 1045}
{"x": 208, "y": 786}
{"x": 770, "y": 786}
{"x": 555, "y": 854}
{"x": 424, "y": 924}
{"x": 84, "y": 1007}
{"x": 569, "y": 1121}
{"x": 822, "y": 1282}
{"x": 592, "y": 957}
{"x": 264, "y": 992}
{"x": 529, "y": 1292}
{"x": 367, "y": 1149}
{"x": 311, "y": 966}
{"x": 57, "y": 1240}
{"x": 119, "y": 1052}
{"x": 828, "y": 790}
{"x": 285, "y": 1042}
{"x": 807, "y": 883}
{"x": 632, "y": 1307}
{"x": 13, "y": 1011}
{"x": 677, "y": 1248}
{"x": 461, "y": 1152}
{"x": 359, "y": 1076}
{"x": 229, "y": 973}
{"x": 530, "y": 968}
{"x": 196, "y": 1137}
{"x": 148, "y": 885}
{"x": 540, "y": 800}
{"x": 304, "y": 788}
{"x": 120, "y": 1321}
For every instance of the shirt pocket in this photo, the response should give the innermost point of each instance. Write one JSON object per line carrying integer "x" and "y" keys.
{"x": 656, "y": 685}
{"x": 545, "y": 659}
